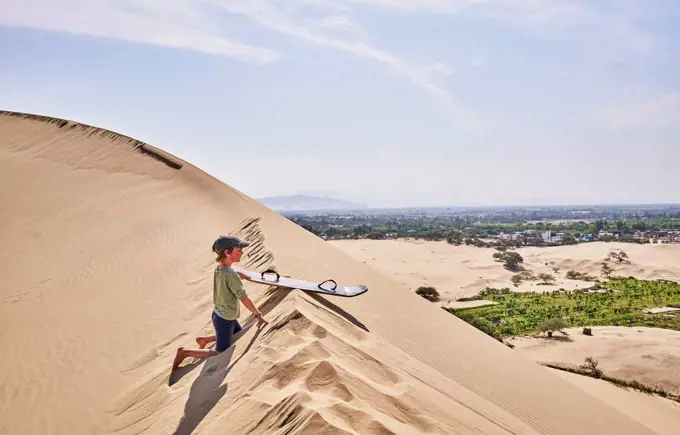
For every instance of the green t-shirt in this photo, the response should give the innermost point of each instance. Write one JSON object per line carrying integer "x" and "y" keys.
{"x": 227, "y": 293}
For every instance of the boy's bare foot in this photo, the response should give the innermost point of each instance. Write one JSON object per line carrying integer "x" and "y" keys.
{"x": 202, "y": 342}
{"x": 179, "y": 357}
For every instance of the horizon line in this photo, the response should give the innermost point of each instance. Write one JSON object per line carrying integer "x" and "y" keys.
{"x": 518, "y": 205}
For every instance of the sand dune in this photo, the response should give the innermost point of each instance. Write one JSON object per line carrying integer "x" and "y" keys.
{"x": 649, "y": 355}
{"x": 462, "y": 271}
{"x": 658, "y": 414}
{"x": 106, "y": 270}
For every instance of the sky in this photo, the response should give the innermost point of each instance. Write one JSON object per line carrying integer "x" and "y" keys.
{"x": 388, "y": 103}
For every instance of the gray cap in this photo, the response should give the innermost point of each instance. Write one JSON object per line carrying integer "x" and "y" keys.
{"x": 226, "y": 242}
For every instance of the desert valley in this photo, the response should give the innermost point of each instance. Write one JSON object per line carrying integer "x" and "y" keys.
{"x": 646, "y": 355}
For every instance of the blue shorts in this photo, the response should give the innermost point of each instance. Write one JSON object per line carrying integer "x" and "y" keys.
{"x": 224, "y": 331}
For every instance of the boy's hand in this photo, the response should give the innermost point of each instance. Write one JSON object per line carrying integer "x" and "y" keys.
{"x": 260, "y": 321}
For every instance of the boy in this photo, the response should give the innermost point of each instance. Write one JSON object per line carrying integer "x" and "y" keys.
{"x": 227, "y": 292}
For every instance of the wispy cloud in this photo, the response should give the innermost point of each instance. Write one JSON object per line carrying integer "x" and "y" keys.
{"x": 660, "y": 111}
{"x": 607, "y": 21}
{"x": 283, "y": 21}
{"x": 204, "y": 25}
{"x": 170, "y": 23}
{"x": 197, "y": 25}
{"x": 339, "y": 24}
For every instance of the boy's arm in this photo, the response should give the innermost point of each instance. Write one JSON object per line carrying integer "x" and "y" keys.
{"x": 244, "y": 276}
{"x": 251, "y": 306}
{"x": 237, "y": 287}
{"x": 253, "y": 309}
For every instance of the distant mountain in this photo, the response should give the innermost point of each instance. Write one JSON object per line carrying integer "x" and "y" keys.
{"x": 307, "y": 203}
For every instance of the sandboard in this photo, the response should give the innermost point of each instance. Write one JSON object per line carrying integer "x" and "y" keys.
{"x": 328, "y": 287}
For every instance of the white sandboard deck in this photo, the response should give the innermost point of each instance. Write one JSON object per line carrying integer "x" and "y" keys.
{"x": 327, "y": 287}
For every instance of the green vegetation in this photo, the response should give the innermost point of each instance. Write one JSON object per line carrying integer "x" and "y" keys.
{"x": 516, "y": 280}
{"x": 511, "y": 260}
{"x": 569, "y": 239}
{"x": 619, "y": 302}
{"x": 527, "y": 275}
{"x": 619, "y": 256}
{"x": 546, "y": 278}
{"x": 472, "y": 226}
{"x": 429, "y": 293}
{"x": 590, "y": 367}
{"x": 555, "y": 324}
{"x": 606, "y": 270}
{"x": 581, "y": 276}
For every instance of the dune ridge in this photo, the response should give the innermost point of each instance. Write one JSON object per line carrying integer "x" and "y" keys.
{"x": 106, "y": 269}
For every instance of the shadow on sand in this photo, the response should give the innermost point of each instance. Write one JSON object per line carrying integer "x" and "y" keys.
{"x": 337, "y": 310}
{"x": 277, "y": 294}
{"x": 208, "y": 388}
{"x": 274, "y": 296}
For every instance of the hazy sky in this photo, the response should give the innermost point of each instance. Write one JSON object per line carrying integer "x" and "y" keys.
{"x": 385, "y": 102}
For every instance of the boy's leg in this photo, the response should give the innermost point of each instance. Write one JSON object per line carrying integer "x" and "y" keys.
{"x": 204, "y": 341}
{"x": 183, "y": 353}
{"x": 224, "y": 330}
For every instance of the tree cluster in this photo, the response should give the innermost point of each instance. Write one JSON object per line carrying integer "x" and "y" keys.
{"x": 511, "y": 260}
{"x": 429, "y": 293}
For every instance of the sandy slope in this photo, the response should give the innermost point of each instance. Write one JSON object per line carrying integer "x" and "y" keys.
{"x": 106, "y": 269}
{"x": 649, "y": 355}
{"x": 659, "y": 414}
{"x": 462, "y": 271}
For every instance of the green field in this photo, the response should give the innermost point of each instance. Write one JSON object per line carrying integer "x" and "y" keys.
{"x": 621, "y": 304}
